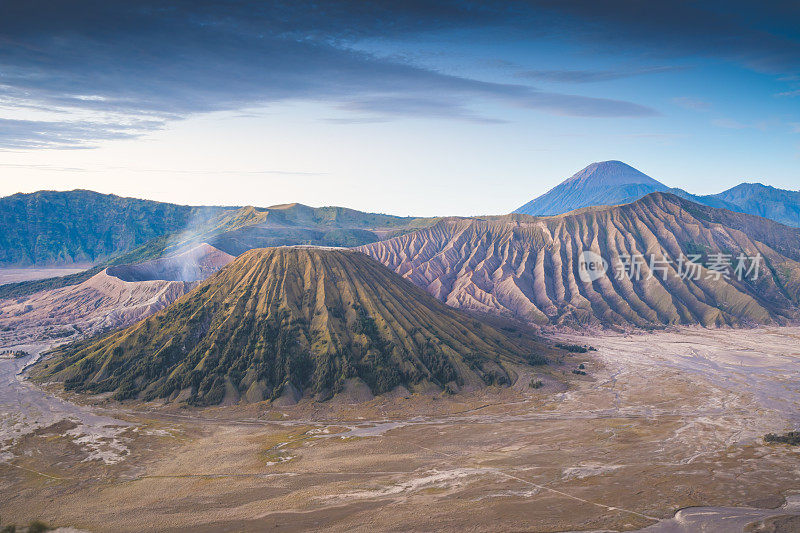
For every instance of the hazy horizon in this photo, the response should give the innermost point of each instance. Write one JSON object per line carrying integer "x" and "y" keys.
{"x": 243, "y": 204}
{"x": 414, "y": 109}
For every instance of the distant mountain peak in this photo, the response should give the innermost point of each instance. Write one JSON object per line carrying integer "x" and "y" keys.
{"x": 750, "y": 186}
{"x": 601, "y": 183}
{"x": 611, "y": 172}
{"x": 614, "y": 183}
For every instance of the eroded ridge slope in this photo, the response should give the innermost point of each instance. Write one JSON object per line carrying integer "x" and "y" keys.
{"x": 528, "y": 267}
{"x": 295, "y": 320}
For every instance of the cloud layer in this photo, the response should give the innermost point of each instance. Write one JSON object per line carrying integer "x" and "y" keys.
{"x": 132, "y": 66}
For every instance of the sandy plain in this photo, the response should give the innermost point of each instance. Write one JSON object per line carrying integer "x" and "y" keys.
{"x": 663, "y": 423}
{"x": 14, "y": 275}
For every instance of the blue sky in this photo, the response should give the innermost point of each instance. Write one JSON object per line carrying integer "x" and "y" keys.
{"x": 410, "y": 108}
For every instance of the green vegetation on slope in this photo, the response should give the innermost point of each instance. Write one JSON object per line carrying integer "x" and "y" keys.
{"x": 35, "y": 526}
{"x": 152, "y": 249}
{"x": 64, "y": 227}
{"x": 792, "y": 438}
{"x": 26, "y": 288}
{"x": 240, "y": 240}
{"x": 304, "y": 317}
{"x": 51, "y": 227}
{"x": 292, "y": 224}
{"x": 299, "y": 214}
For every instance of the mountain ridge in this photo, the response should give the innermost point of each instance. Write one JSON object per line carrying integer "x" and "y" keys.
{"x": 608, "y": 183}
{"x": 47, "y": 228}
{"x": 781, "y": 205}
{"x": 300, "y": 319}
{"x": 81, "y": 226}
{"x": 526, "y": 267}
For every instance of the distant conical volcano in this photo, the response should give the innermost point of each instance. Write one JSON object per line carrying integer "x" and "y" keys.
{"x": 304, "y": 320}
{"x": 615, "y": 183}
{"x": 602, "y": 183}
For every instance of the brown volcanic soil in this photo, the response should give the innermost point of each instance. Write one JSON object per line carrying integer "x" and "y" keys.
{"x": 661, "y": 422}
{"x": 527, "y": 266}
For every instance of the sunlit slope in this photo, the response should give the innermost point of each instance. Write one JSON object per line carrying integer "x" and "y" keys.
{"x": 292, "y": 224}
{"x": 304, "y": 319}
{"x": 528, "y": 267}
{"x": 237, "y": 230}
